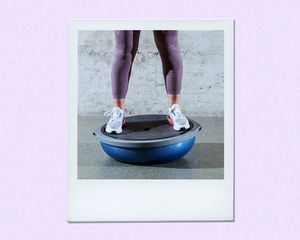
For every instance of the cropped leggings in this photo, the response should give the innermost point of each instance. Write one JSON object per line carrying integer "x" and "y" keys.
{"x": 126, "y": 43}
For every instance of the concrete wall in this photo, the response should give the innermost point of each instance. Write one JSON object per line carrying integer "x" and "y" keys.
{"x": 203, "y": 81}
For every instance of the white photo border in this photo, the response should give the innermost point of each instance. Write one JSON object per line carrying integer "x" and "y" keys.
{"x": 103, "y": 200}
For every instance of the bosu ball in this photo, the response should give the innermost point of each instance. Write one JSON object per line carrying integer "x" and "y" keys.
{"x": 147, "y": 139}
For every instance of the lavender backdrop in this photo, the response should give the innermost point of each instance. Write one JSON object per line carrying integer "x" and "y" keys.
{"x": 33, "y": 104}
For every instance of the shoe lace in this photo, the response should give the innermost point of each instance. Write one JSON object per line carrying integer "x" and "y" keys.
{"x": 178, "y": 112}
{"x": 112, "y": 113}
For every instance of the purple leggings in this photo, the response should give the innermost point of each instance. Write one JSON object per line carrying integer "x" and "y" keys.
{"x": 126, "y": 49}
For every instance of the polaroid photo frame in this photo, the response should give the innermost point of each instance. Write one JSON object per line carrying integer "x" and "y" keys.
{"x": 118, "y": 200}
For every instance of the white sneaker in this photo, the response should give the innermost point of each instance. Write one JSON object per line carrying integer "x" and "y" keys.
{"x": 116, "y": 120}
{"x": 177, "y": 119}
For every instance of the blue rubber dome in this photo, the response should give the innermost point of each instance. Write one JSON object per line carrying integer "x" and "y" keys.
{"x": 147, "y": 139}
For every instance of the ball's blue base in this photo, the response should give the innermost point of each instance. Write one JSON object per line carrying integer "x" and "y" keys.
{"x": 153, "y": 155}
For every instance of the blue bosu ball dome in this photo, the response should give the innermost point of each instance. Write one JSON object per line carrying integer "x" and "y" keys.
{"x": 147, "y": 139}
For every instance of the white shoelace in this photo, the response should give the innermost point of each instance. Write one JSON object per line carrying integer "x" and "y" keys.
{"x": 177, "y": 112}
{"x": 112, "y": 113}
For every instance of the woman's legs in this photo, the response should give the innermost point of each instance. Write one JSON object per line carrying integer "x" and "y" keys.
{"x": 126, "y": 43}
{"x": 169, "y": 51}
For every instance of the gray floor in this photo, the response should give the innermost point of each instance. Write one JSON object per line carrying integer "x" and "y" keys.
{"x": 204, "y": 161}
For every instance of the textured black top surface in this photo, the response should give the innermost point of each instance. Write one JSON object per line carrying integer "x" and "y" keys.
{"x": 146, "y": 127}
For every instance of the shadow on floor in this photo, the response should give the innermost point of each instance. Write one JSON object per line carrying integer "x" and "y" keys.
{"x": 205, "y": 161}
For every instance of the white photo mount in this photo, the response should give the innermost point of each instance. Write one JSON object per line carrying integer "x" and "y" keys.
{"x": 106, "y": 200}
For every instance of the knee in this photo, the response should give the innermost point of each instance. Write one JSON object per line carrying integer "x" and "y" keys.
{"x": 125, "y": 50}
{"x": 170, "y": 53}
{"x": 168, "y": 49}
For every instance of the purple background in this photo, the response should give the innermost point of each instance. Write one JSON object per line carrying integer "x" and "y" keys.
{"x": 33, "y": 106}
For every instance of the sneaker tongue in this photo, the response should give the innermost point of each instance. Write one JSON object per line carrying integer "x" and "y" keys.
{"x": 177, "y": 112}
{"x": 115, "y": 112}
{"x": 175, "y": 106}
